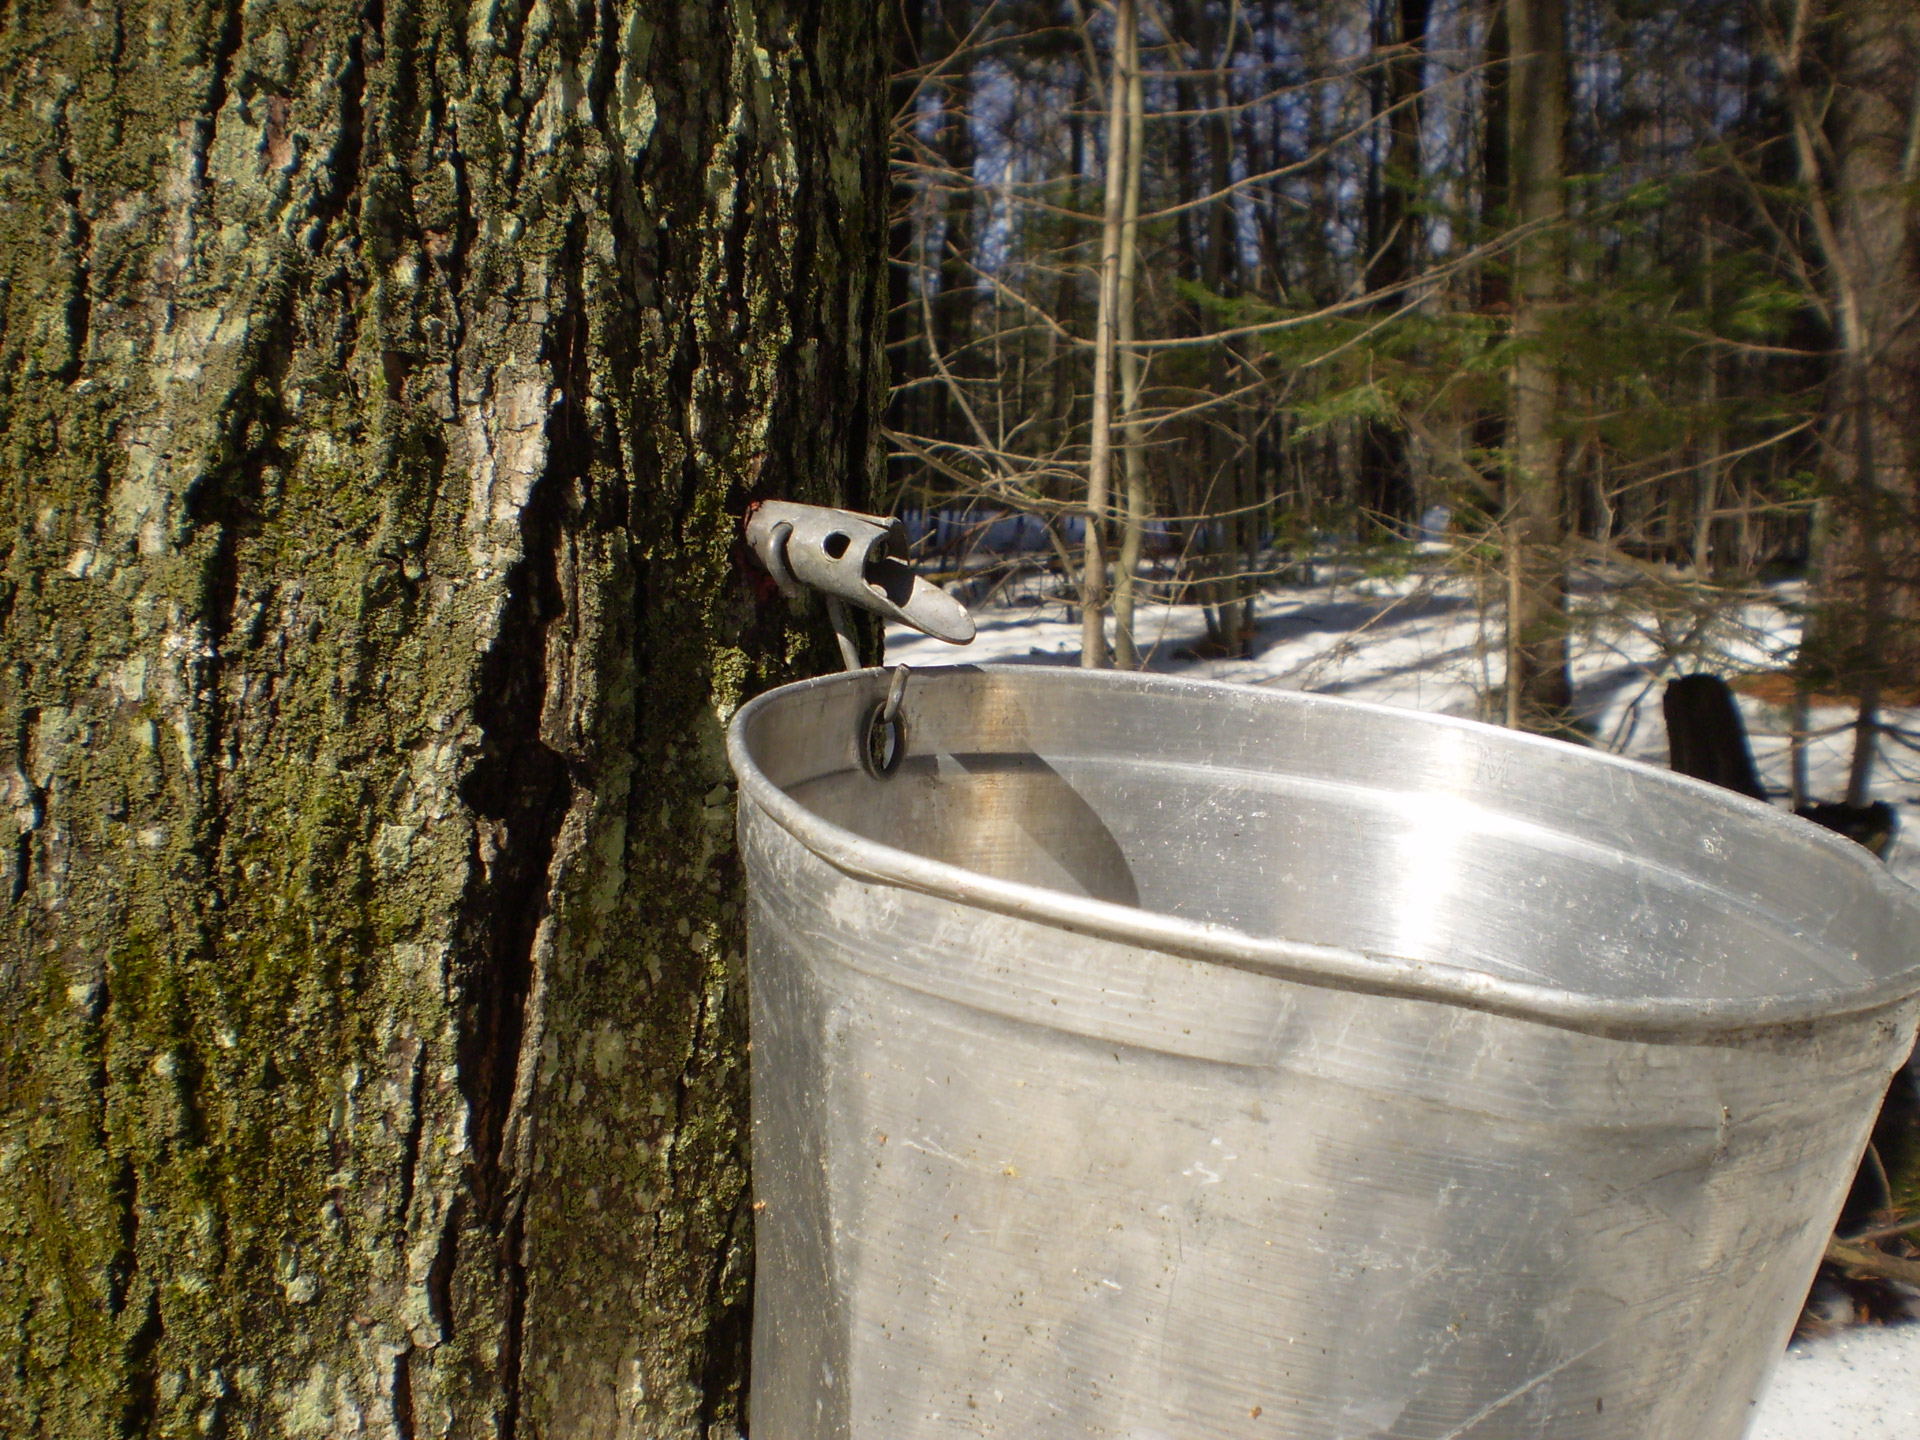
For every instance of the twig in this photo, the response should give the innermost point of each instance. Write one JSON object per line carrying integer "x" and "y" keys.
{"x": 1887, "y": 1232}
{"x": 1872, "y": 1262}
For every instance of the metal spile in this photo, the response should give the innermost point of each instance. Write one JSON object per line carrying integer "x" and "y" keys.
{"x": 859, "y": 559}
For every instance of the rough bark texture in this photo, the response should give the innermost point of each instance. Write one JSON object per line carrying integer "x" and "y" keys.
{"x": 380, "y": 387}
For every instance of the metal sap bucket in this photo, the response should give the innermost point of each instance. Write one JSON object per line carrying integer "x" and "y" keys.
{"x": 1155, "y": 1059}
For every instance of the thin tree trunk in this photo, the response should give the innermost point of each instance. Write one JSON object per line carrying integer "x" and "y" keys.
{"x": 1865, "y": 630}
{"x": 956, "y": 296}
{"x": 1707, "y": 474}
{"x": 1093, "y": 585}
{"x": 380, "y": 389}
{"x": 1400, "y": 33}
{"x": 1493, "y": 283}
{"x": 905, "y": 346}
{"x": 1232, "y": 595}
{"x": 1064, "y": 361}
{"x": 1537, "y": 110}
{"x": 1713, "y": 444}
{"x": 1133, "y": 430}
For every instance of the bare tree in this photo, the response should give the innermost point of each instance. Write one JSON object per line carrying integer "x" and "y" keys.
{"x": 1859, "y": 184}
{"x": 1538, "y": 687}
{"x": 1367, "y": 258}
{"x": 1093, "y": 584}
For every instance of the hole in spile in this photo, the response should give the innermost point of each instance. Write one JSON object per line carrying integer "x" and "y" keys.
{"x": 890, "y": 578}
{"x": 835, "y": 544}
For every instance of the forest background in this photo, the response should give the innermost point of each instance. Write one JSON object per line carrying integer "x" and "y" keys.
{"x": 1620, "y": 299}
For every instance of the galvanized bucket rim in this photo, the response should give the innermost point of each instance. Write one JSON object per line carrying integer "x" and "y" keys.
{"x": 1651, "y": 1019}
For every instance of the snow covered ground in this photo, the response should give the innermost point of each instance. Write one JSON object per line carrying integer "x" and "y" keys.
{"x": 1857, "y": 1385}
{"x": 1425, "y": 642}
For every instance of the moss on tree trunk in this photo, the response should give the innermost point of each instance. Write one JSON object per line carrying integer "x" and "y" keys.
{"x": 380, "y": 388}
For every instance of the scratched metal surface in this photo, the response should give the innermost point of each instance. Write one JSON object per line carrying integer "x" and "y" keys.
{"x": 1153, "y": 1059}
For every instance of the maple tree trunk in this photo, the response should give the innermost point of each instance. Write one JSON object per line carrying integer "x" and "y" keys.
{"x": 381, "y": 385}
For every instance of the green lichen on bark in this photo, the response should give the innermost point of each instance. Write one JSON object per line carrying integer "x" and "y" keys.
{"x": 380, "y": 387}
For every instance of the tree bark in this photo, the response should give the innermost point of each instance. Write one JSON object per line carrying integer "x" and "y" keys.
{"x": 1865, "y": 633}
{"x": 1713, "y": 443}
{"x": 905, "y": 346}
{"x": 1093, "y": 577}
{"x": 1539, "y": 692}
{"x": 955, "y": 293}
{"x": 1133, "y": 430}
{"x": 1395, "y": 180}
{"x": 380, "y": 389}
{"x": 1227, "y": 599}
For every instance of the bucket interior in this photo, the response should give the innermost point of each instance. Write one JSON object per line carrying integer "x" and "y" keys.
{"x": 1392, "y": 833}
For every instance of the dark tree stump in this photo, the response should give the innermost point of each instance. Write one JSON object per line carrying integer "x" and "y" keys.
{"x": 1707, "y": 739}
